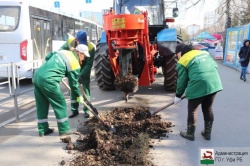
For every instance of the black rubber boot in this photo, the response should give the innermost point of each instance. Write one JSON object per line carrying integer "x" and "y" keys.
{"x": 206, "y": 133}
{"x": 74, "y": 114}
{"x": 189, "y": 134}
{"x": 49, "y": 131}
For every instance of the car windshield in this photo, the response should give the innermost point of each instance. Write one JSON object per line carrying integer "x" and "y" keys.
{"x": 154, "y": 8}
{"x": 9, "y": 18}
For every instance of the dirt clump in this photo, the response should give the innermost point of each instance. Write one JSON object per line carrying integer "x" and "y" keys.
{"x": 127, "y": 83}
{"x": 66, "y": 139}
{"x": 129, "y": 145}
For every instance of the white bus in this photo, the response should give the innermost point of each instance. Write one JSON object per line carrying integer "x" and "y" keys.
{"x": 29, "y": 33}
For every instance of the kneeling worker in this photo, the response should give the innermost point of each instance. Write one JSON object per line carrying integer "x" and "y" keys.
{"x": 47, "y": 91}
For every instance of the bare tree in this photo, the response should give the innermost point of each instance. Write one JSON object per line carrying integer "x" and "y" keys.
{"x": 246, "y": 13}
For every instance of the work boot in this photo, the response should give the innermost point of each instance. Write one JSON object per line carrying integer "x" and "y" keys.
{"x": 206, "y": 133}
{"x": 74, "y": 114}
{"x": 86, "y": 112}
{"x": 86, "y": 115}
{"x": 49, "y": 131}
{"x": 189, "y": 134}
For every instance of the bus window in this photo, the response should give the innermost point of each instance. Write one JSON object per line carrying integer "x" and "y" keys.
{"x": 79, "y": 25}
{"x": 93, "y": 37}
{"x": 47, "y": 38}
{"x": 88, "y": 29}
{"x": 99, "y": 32}
{"x": 68, "y": 27}
{"x": 9, "y": 18}
{"x": 57, "y": 31}
{"x": 37, "y": 39}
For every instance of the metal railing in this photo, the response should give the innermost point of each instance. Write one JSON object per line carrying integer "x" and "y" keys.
{"x": 13, "y": 82}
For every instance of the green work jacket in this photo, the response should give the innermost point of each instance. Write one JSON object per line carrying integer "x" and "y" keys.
{"x": 88, "y": 63}
{"x": 197, "y": 75}
{"x": 58, "y": 65}
{"x": 68, "y": 44}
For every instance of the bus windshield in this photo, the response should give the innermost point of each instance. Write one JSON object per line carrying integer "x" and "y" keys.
{"x": 9, "y": 18}
{"x": 153, "y": 7}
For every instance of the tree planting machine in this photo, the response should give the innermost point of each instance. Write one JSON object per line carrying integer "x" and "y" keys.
{"x": 135, "y": 42}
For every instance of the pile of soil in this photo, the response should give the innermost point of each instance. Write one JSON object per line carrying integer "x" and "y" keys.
{"x": 128, "y": 145}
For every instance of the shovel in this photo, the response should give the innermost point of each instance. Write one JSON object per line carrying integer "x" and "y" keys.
{"x": 166, "y": 106}
{"x": 85, "y": 96}
{"x": 111, "y": 128}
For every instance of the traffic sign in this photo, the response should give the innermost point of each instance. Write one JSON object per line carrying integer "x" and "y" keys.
{"x": 57, "y": 4}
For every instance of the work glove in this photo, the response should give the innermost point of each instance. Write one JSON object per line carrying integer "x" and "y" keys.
{"x": 79, "y": 99}
{"x": 177, "y": 100}
{"x": 80, "y": 79}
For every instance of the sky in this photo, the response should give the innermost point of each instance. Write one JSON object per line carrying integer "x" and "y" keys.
{"x": 195, "y": 14}
{"x": 191, "y": 16}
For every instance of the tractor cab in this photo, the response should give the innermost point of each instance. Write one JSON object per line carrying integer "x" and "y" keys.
{"x": 155, "y": 10}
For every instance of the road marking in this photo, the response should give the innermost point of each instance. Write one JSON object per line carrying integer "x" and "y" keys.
{"x": 20, "y": 116}
{"x": 26, "y": 113}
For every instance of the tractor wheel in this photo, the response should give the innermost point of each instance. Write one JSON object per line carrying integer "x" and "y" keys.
{"x": 170, "y": 73}
{"x": 103, "y": 72}
{"x": 169, "y": 70}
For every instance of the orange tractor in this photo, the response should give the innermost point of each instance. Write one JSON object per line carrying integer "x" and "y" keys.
{"x": 135, "y": 42}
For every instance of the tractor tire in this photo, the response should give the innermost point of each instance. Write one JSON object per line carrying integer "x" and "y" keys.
{"x": 169, "y": 70}
{"x": 103, "y": 72}
{"x": 170, "y": 73}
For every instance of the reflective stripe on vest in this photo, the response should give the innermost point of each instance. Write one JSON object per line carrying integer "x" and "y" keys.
{"x": 189, "y": 56}
{"x": 70, "y": 60}
{"x": 90, "y": 46}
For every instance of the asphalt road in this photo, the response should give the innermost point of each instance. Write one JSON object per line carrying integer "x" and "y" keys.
{"x": 21, "y": 146}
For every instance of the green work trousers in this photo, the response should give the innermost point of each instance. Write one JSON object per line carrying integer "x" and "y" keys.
{"x": 50, "y": 94}
{"x": 86, "y": 88}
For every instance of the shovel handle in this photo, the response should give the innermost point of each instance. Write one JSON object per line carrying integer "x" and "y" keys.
{"x": 91, "y": 110}
{"x": 84, "y": 95}
{"x": 67, "y": 86}
{"x": 86, "y": 98}
{"x": 162, "y": 108}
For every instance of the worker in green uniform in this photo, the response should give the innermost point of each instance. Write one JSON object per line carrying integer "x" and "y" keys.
{"x": 84, "y": 77}
{"x": 198, "y": 78}
{"x": 70, "y": 44}
{"x": 47, "y": 91}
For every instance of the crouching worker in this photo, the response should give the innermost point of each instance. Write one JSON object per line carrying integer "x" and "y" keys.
{"x": 47, "y": 90}
{"x": 198, "y": 77}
